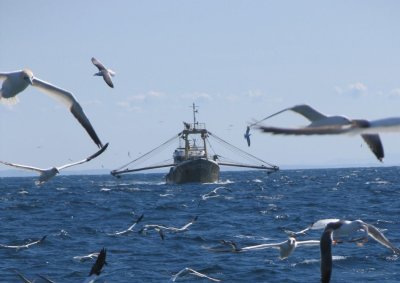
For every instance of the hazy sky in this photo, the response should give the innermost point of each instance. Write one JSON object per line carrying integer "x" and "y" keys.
{"x": 237, "y": 60}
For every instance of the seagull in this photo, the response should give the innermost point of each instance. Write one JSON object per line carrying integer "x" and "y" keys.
{"x": 214, "y": 193}
{"x": 348, "y": 228}
{"x": 25, "y": 246}
{"x": 188, "y": 270}
{"x": 286, "y": 248}
{"x": 322, "y": 124}
{"x": 97, "y": 267}
{"x": 47, "y": 174}
{"x": 161, "y": 228}
{"x": 104, "y": 72}
{"x": 17, "y": 81}
{"x": 130, "y": 229}
{"x": 86, "y": 257}
{"x": 247, "y": 135}
{"x": 326, "y": 250}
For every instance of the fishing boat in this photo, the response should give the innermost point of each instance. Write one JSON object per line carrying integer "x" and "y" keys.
{"x": 191, "y": 160}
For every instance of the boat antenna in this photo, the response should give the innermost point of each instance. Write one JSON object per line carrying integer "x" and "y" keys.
{"x": 195, "y": 110}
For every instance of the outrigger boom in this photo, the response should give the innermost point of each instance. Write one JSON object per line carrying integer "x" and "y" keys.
{"x": 192, "y": 161}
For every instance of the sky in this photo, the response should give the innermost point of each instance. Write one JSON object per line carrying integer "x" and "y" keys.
{"x": 238, "y": 61}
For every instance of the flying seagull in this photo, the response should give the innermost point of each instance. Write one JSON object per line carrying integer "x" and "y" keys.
{"x": 104, "y": 72}
{"x": 348, "y": 228}
{"x": 130, "y": 228}
{"x": 214, "y": 193}
{"x": 97, "y": 267}
{"x": 323, "y": 124}
{"x": 161, "y": 228}
{"x": 247, "y": 135}
{"x": 25, "y": 246}
{"x": 188, "y": 270}
{"x": 47, "y": 174}
{"x": 86, "y": 257}
{"x": 16, "y": 82}
{"x": 326, "y": 250}
{"x": 286, "y": 248}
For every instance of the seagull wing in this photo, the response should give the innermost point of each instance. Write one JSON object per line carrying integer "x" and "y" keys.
{"x": 85, "y": 160}
{"x": 46, "y": 279}
{"x": 69, "y": 100}
{"x": 326, "y": 255}
{"x": 321, "y": 224}
{"x": 185, "y": 227}
{"x": 194, "y": 272}
{"x": 380, "y": 238}
{"x": 322, "y": 130}
{"x": 36, "y": 242}
{"x": 98, "y": 64}
{"x": 98, "y": 265}
{"x": 270, "y": 116}
{"x": 308, "y": 112}
{"x": 4, "y": 76}
{"x": 308, "y": 243}
{"x": 107, "y": 78}
{"x": 22, "y": 277}
{"x": 262, "y": 246}
{"x": 23, "y": 166}
{"x": 375, "y": 144}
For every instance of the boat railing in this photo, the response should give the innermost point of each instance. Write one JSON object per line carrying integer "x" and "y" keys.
{"x": 197, "y": 125}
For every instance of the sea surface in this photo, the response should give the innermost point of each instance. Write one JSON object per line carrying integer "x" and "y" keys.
{"x": 81, "y": 214}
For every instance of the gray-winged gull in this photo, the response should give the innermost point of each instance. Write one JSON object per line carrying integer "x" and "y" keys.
{"x": 16, "y": 82}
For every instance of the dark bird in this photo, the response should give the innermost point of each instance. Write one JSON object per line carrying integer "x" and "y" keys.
{"x": 247, "y": 135}
{"x": 326, "y": 251}
{"x": 97, "y": 266}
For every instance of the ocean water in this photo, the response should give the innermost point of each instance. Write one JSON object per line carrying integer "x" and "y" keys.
{"x": 79, "y": 215}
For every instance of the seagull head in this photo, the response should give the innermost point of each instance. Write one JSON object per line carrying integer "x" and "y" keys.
{"x": 27, "y": 76}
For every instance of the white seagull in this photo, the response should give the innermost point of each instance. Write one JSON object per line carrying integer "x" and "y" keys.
{"x": 348, "y": 228}
{"x": 47, "y": 174}
{"x": 247, "y": 135}
{"x": 214, "y": 193}
{"x": 323, "y": 124}
{"x": 16, "y": 82}
{"x": 188, "y": 270}
{"x": 130, "y": 228}
{"x": 104, "y": 72}
{"x": 286, "y": 248}
{"x": 161, "y": 228}
{"x": 25, "y": 246}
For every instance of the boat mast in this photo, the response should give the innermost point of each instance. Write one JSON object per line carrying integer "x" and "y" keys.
{"x": 194, "y": 115}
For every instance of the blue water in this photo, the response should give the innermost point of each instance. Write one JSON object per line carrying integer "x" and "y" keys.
{"x": 79, "y": 212}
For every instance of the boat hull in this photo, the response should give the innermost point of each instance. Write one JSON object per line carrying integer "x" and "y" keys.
{"x": 194, "y": 171}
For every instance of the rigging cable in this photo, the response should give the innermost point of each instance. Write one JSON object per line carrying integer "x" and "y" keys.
{"x": 241, "y": 151}
{"x": 151, "y": 151}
